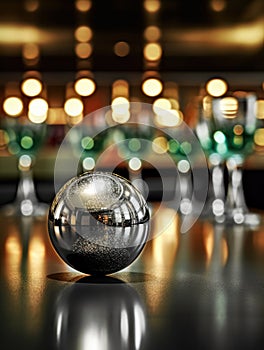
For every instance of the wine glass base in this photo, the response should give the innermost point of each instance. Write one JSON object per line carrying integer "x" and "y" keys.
{"x": 25, "y": 208}
{"x": 231, "y": 217}
{"x": 248, "y": 219}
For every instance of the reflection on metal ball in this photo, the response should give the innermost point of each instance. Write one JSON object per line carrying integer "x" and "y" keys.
{"x": 98, "y": 223}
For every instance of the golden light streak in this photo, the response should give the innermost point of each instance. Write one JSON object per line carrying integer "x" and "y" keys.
{"x": 161, "y": 254}
{"x": 208, "y": 236}
{"x": 13, "y": 257}
{"x": 36, "y": 275}
{"x": 221, "y": 40}
{"x": 224, "y": 251}
{"x": 10, "y": 34}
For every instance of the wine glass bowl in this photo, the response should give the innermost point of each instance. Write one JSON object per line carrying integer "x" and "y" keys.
{"x": 88, "y": 144}
{"x": 232, "y": 138}
{"x": 205, "y": 130}
{"x": 25, "y": 138}
{"x": 179, "y": 152}
{"x": 235, "y": 124}
{"x": 133, "y": 138}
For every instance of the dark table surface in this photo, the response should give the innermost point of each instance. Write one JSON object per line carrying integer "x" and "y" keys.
{"x": 203, "y": 289}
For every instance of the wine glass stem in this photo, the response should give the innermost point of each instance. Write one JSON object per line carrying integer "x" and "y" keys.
{"x": 186, "y": 185}
{"x": 136, "y": 179}
{"x": 26, "y": 187}
{"x": 218, "y": 186}
{"x": 235, "y": 192}
{"x": 186, "y": 189}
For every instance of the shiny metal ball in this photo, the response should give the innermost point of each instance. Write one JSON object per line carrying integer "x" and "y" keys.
{"x": 98, "y": 223}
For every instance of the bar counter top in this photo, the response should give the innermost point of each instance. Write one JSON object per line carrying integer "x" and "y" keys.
{"x": 203, "y": 289}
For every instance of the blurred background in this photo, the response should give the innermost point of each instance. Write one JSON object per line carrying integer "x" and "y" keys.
{"x": 61, "y": 60}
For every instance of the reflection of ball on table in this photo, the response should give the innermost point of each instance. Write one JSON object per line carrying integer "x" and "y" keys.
{"x": 98, "y": 223}
{"x": 99, "y": 313}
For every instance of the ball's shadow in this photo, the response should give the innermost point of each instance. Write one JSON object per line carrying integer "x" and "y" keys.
{"x": 120, "y": 277}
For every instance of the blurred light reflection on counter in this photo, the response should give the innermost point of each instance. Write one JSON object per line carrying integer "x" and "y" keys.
{"x": 36, "y": 272}
{"x": 12, "y": 264}
{"x": 160, "y": 255}
{"x": 209, "y": 256}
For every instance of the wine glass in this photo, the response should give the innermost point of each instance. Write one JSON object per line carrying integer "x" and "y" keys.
{"x": 234, "y": 124}
{"x": 134, "y": 140}
{"x": 25, "y": 138}
{"x": 88, "y": 138}
{"x": 204, "y": 130}
{"x": 179, "y": 153}
{"x": 177, "y": 144}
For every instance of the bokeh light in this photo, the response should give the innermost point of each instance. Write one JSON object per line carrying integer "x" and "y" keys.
{"x": 152, "y": 33}
{"x": 152, "y": 87}
{"x": 31, "y": 5}
{"x": 38, "y": 110}
{"x": 238, "y": 129}
{"x": 83, "y": 5}
{"x": 120, "y": 103}
{"x": 84, "y": 86}
{"x": 260, "y": 109}
{"x": 120, "y": 109}
{"x": 30, "y": 51}
{"x": 31, "y": 87}
{"x": 26, "y": 142}
{"x": 88, "y": 163}
{"x": 25, "y": 161}
{"x": 83, "y": 50}
{"x": 161, "y": 104}
{"x": 169, "y": 118}
{"x": 120, "y": 88}
{"x": 152, "y": 52}
{"x": 121, "y": 48}
{"x": 218, "y": 5}
{"x": 83, "y": 34}
{"x": 135, "y": 164}
{"x": 183, "y": 166}
{"x": 160, "y": 145}
{"x": 216, "y": 87}
{"x": 13, "y": 106}
{"x": 229, "y": 106}
{"x": 259, "y": 137}
{"x": 151, "y": 6}
{"x": 73, "y": 107}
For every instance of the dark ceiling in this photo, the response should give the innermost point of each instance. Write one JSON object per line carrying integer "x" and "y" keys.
{"x": 194, "y": 37}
